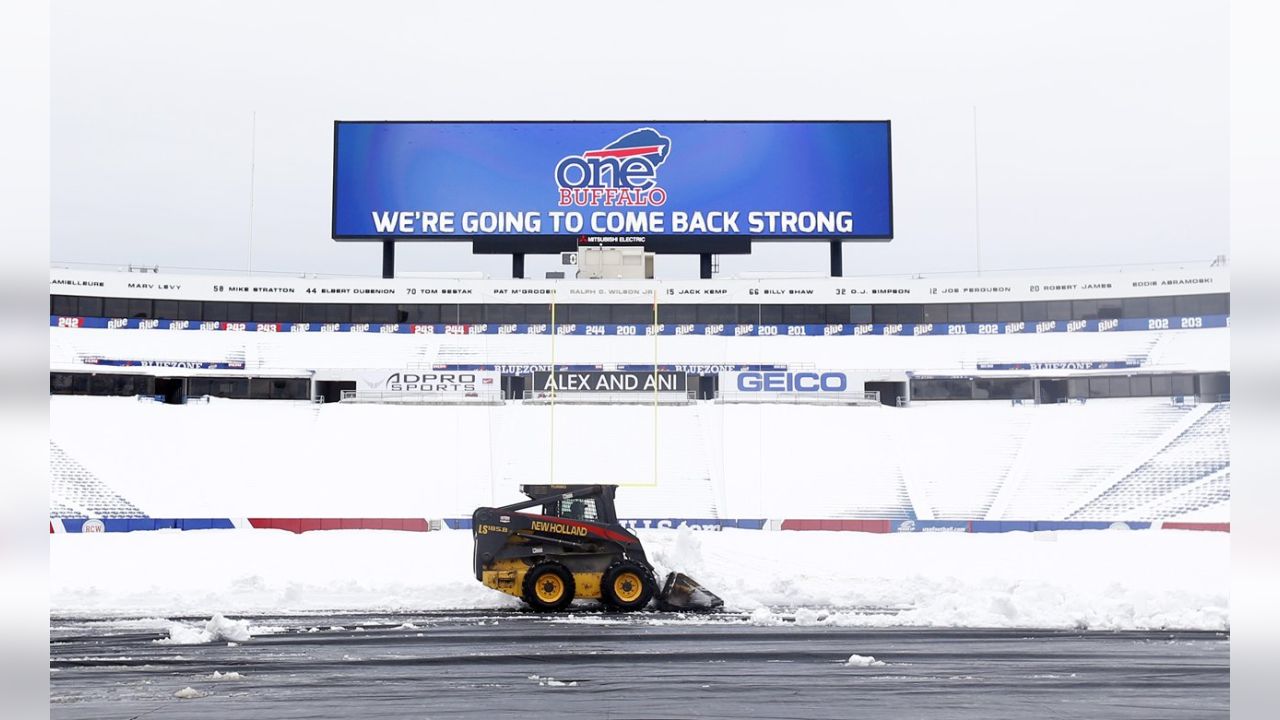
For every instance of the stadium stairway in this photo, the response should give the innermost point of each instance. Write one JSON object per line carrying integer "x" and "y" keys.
{"x": 1187, "y": 350}
{"x": 972, "y": 448}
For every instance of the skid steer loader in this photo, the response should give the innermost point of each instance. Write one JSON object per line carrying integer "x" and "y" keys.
{"x": 574, "y": 549}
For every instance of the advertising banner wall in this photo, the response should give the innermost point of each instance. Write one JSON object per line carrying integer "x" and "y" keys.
{"x": 450, "y": 383}
{"x": 808, "y": 381}
{"x": 609, "y": 382}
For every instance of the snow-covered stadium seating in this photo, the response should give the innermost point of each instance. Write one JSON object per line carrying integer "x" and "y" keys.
{"x": 1121, "y": 459}
{"x": 1071, "y": 448}
{"x": 74, "y": 491}
{"x": 1202, "y": 350}
{"x": 1199, "y": 450}
{"x": 1207, "y": 497}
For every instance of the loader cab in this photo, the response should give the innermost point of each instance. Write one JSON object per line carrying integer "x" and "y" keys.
{"x": 587, "y": 509}
{"x": 571, "y": 504}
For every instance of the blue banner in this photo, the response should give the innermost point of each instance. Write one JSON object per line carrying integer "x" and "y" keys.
{"x": 92, "y": 525}
{"x": 179, "y": 364}
{"x": 912, "y": 525}
{"x": 1082, "y": 365}
{"x": 715, "y": 330}
{"x": 1001, "y": 526}
{"x": 612, "y": 180}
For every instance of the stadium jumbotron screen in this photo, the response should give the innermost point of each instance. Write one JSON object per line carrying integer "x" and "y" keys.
{"x": 623, "y": 180}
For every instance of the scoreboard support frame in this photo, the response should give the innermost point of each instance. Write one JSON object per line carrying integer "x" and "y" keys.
{"x": 518, "y": 247}
{"x": 388, "y": 259}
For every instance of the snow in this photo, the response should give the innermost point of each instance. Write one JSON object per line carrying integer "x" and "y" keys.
{"x": 217, "y": 628}
{"x": 226, "y": 676}
{"x": 549, "y": 681}
{"x": 189, "y": 693}
{"x": 984, "y": 459}
{"x": 1103, "y": 579}
{"x": 862, "y": 661}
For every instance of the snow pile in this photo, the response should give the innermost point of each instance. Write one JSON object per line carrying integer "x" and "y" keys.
{"x": 1084, "y": 579}
{"x": 552, "y": 682}
{"x": 683, "y": 555}
{"x": 189, "y": 693}
{"x": 216, "y": 628}
{"x": 862, "y": 661}
{"x": 247, "y": 571}
{"x": 226, "y": 675}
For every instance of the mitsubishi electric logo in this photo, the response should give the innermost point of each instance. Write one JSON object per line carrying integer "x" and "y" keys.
{"x": 624, "y": 172}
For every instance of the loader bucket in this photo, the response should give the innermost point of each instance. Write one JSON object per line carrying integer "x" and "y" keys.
{"x": 682, "y": 593}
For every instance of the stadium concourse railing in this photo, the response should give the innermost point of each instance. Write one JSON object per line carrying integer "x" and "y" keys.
{"x": 535, "y": 398}
{"x": 540, "y": 397}
{"x": 392, "y": 398}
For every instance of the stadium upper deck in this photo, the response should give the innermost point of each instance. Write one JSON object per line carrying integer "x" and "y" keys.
{"x": 887, "y": 329}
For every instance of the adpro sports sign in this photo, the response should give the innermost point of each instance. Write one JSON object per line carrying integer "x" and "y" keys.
{"x": 414, "y": 382}
{"x": 763, "y": 180}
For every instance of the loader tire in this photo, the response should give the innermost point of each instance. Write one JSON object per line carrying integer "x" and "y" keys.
{"x": 626, "y": 585}
{"x": 548, "y": 587}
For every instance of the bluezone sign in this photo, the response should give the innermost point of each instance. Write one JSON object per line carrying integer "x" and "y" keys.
{"x": 612, "y": 181}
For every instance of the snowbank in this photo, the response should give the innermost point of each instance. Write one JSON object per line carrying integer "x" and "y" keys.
{"x": 1082, "y": 579}
{"x": 856, "y": 660}
{"x": 217, "y": 628}
{"x": 189, "y": 693}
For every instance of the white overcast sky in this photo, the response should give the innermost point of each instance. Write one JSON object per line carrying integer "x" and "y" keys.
{"x": 1102, "y": 127}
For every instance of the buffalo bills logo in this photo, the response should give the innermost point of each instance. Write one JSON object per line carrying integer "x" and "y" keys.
{"x": 624, "y": 172}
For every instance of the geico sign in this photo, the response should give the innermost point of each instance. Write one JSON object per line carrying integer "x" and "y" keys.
{"x": 792, "y": 382}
